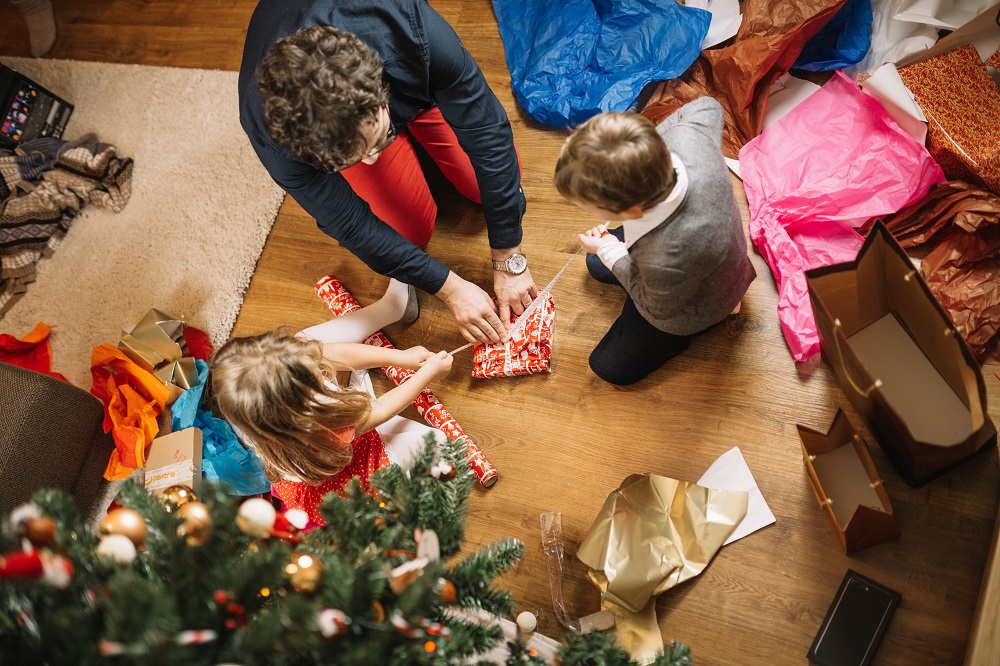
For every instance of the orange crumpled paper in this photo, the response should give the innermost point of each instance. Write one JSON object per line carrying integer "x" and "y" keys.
{"x": 527, "y": 350}
{"x": 132, "y": 398}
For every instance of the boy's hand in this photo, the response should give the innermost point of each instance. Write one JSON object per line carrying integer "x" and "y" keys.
{"x": 594, "y": 239}
{"x": 414, "y": 357}
{"x": 436, "y": 366}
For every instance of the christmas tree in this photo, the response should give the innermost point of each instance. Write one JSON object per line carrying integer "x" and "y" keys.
{"x": 179, "y": 579}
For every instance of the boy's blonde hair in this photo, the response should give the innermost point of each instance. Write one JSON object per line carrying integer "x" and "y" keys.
{"x": 274, "y": 388}
{"x": 615, "y": 161}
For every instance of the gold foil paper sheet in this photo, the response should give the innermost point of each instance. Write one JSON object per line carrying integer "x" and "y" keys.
{"x": 157, "y": 345}
{"x": 652, "y": 533}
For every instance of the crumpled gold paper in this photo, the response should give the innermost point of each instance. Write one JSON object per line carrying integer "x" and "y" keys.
{"x": 652, "y": 533}
{"x": 156, "y": 344}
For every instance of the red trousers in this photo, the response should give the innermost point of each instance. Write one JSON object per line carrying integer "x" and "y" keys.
{"x": 395, "y": 186}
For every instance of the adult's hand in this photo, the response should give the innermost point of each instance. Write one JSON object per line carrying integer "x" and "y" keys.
{"x": 514, "y": 292}
{"x": 473, "y": 310}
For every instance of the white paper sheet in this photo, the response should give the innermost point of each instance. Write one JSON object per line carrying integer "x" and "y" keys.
{"x": 726, "y": 19}
{"x": 947, "y": 14}
{"x": 730, "y": 472}
{"x": 888, "y": 89}
{"x": 892, "y": 40}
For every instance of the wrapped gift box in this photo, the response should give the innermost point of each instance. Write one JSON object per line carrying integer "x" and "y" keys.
{"x": 897, "y": 356}
{"x": 962, "y": 105}
{"x": 175, "y": 459}
{"x": 848, "y": 485}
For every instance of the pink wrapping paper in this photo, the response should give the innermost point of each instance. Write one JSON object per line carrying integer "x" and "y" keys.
{"x": 826, "y": 167}
{"x": 339, "y": 300}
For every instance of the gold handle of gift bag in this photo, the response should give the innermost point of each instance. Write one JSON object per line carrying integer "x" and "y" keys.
{"x": 847, "y": 374}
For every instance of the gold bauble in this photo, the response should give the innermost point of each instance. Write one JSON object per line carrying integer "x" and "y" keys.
{"x": 125, "y": 522}
{"x": 304, "y": 572}
{"x": 197, "y": 523}
{"x": 41, "y": 531}
{"x": 177, "y": 496}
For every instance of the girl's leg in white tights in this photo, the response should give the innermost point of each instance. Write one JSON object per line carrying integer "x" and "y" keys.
{"x": 358, "y": 325}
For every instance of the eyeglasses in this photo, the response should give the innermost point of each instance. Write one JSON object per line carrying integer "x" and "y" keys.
{"x": 390, "y": 136}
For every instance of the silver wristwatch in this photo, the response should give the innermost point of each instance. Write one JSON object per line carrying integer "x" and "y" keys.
{"x": 515, "y": 264}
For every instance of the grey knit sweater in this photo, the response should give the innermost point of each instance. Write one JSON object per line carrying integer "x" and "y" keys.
{"x": 691, "y": 271}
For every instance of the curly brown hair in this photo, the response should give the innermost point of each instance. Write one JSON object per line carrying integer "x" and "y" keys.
{"x": 615, "y": 161}
{"x": 320, "y": 86}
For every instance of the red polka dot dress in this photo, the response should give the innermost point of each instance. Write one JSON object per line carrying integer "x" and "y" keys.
{"x": 369, "y": 456}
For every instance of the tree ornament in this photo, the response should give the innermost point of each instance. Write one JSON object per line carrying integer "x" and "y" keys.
{"x": 52, "y": 569}
{"x": 174, "y": 497}
{"x": 41, "y": 531}
{"x": 378, "y": 611}
{"x": 298, "y": 518}
{"x": 443, "y": 470}
{"x": 428, "y": 544}
{"x": 304, "y": 572}
{"x": 447, "y": 590}
{"x": 402, "y": 626}
{"x": 117, "y": 547}
{"x": 20, "y": 516}
{"x": 332, "y": 622}
{"x": 256, "y": 517}
{"x": 197, "y": 523}
{"x": 403, "y": 576}
{"x": 124, "y": 521}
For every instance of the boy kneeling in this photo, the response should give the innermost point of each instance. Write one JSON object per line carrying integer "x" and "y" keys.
{"x": 680, "y": 252}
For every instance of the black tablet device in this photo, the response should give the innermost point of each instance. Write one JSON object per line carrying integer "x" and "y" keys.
{"x": 29, "y": 111}
{"x": 855, "y": 623}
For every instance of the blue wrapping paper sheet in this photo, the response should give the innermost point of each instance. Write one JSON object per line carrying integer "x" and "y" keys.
{"x": 224, "y": 459}
{"x": 572, "y": 59}
{"x": 842, "y": 42}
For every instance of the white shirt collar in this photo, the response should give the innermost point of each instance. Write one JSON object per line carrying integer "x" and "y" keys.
{"x": 636, "y": 229}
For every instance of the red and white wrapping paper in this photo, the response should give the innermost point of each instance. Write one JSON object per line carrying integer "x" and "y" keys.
{"x": 527, "y": 350}
{"x": 340, "y": 302}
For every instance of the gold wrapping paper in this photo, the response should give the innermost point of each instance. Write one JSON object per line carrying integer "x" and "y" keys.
{"x": 652, "y": 533}
{"x": 156, "y": 344}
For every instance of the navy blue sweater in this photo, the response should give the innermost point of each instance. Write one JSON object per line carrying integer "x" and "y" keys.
{"x": 426, "y": 65}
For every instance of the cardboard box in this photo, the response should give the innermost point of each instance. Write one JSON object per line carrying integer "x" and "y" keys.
{"x": 848, "y": 485}
{"x": 175, "y": 459}
{"x": 900, "y": 361}
{"x": 29, "y": 111}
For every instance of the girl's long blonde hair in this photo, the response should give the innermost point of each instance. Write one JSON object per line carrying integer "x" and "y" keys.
{"x": 274, "y": 388}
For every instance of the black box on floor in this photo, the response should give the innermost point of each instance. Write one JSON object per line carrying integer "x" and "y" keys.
{"x": 855, "y": 623}
{"x": 29, "y": 111}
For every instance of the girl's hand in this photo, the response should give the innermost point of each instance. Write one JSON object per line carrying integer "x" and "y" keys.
{"x": 593, "y": 239}
{"x": 414, "y": 357}
{"x": 436, "y": 366}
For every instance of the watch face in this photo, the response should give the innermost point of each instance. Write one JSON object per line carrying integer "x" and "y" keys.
{"x": 517, "y": 263}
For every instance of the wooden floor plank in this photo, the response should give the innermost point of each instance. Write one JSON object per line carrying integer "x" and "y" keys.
{"x": 562, "y": 442}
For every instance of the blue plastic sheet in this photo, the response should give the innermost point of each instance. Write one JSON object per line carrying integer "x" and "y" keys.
{"x": 572, "y": 59}
{"x": 223, "y": 458}
{"x": 842, "y": 42}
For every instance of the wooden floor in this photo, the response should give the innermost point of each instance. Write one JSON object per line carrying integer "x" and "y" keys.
{"x": 562, "y": 442}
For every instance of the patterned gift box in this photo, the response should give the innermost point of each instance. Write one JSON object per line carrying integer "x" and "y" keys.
{"x": 527, "y": 351}
{"x": 962, "y": 105}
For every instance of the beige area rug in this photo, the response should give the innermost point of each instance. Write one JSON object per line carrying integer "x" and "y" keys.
{"x": 188, "y": 240}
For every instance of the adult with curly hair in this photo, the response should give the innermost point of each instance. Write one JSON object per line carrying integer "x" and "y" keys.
{"x": 332, "y": 95}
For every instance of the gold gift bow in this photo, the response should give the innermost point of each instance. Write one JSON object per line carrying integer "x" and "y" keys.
{"x": 157, "y": 345}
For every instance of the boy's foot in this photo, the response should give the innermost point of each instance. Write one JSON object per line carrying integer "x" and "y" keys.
{"x": 412, "y": 310}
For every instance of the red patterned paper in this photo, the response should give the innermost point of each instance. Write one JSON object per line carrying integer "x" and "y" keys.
{"x": 994, "y": 60}
{"x": 527, "y": 350}
{"x": 340, "y": 302}
{"x": 962, "y": 105}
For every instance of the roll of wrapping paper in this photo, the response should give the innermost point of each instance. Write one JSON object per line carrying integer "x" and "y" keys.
{"x": 340, "y": 302}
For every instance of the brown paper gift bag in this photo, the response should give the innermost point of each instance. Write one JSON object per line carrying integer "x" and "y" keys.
{"x": 897, "y": 356}
{"x": 847, "y": 484}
